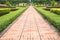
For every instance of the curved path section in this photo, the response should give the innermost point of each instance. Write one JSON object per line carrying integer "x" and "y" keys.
{"x": 30, "y": 26}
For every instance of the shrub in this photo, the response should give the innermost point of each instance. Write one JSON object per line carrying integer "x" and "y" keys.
{"x": 8, "y": 18}
{"x": 51, "y": 17}
{"x": 52, "y": 7}
{"x": 48, "y": 9}
{"x": 4, "y": 11}
{"x": 14, "y": 9}
{"x": 55, "y": 10}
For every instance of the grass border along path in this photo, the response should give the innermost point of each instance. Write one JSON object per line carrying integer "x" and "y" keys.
{"x": 51, "y": 17}
{"x": 9, "y": 18}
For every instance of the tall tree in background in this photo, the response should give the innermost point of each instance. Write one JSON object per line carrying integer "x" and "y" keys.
{"x": 2, "y": 1}
{"x": 38, "y": 2}
{"x": 53, "y": 2}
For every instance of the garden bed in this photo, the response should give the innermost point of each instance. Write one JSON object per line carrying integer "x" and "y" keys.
{"x": 9, "y": 18}
{"x": 55, "y": 10}
{"x": 48, "y": 9}
{"x": 51, "y": 17}
{"x": 4, "y": 11}
{"x": 53, "y": 7}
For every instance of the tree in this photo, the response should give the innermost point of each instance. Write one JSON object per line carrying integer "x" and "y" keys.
{"x": 2, "y": 1}
{"x": 8, "y": 3}
{"x": 53, "y": 2}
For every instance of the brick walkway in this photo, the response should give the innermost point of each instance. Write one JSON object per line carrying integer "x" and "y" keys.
{"x": 30, "y": 26}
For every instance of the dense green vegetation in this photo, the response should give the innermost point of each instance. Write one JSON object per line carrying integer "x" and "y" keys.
{"x": 46, "y": 2}
{"x": 51, "y": 17}
{"x": 4, "y": 11}
{"x": 14, "y": 2}
{"x": 8, "y": 18}
{"x": 55, "y": 10}
{"x": 34, "y": 2}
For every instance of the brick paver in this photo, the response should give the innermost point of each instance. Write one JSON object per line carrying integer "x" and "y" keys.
{"x": 30, "y": 26}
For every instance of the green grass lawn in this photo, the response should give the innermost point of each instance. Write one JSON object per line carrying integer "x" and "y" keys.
{"x": 9, "y": 18}
{"x": 51, "y": 17}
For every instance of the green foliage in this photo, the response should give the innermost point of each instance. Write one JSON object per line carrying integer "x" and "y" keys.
{"x": 53, "y": 2}
{"x": 8, "y": 3}
{"x": 4, "y": 11}
{"x": 2, "y": 1}
{"x": 51, "y": 17}
{"x": 8, "y": 18}
{"x": 45, "y": 2}
{"x": 52, "y": 7}
{"x": 13, "y": 2}
{"x": 55, "y": 10}
{"x": 35, "y": 2}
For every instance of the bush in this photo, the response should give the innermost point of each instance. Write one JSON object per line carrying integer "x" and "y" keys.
{"x": 9, "y": 7}
{"x": 14, "y": 9}
{"x": 8, "y": 18}
{"x": 4, "y": 11}
{"x": 48, "y": 9}
{"x": 55, "y": 10}
{"x": 51, "y": 17}
{"x": 52, "y": 7}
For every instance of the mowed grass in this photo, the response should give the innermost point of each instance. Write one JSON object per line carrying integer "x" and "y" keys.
{"x": 9, "y": 18}
{"x": 51, "y": 17}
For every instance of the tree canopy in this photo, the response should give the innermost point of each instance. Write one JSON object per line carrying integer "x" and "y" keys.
{"x": 28, "y": 1}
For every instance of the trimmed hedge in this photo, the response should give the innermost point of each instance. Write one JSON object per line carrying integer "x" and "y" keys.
{"x": 53, "y": 7}
{"x": 14, "y": 9}
{"x": 51, "y": 17}
{"x": 48, "y": 9}
{"x": 4, "y": 11}
{"x": 55, "y": 10}
{"x": 8, "y": 18}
